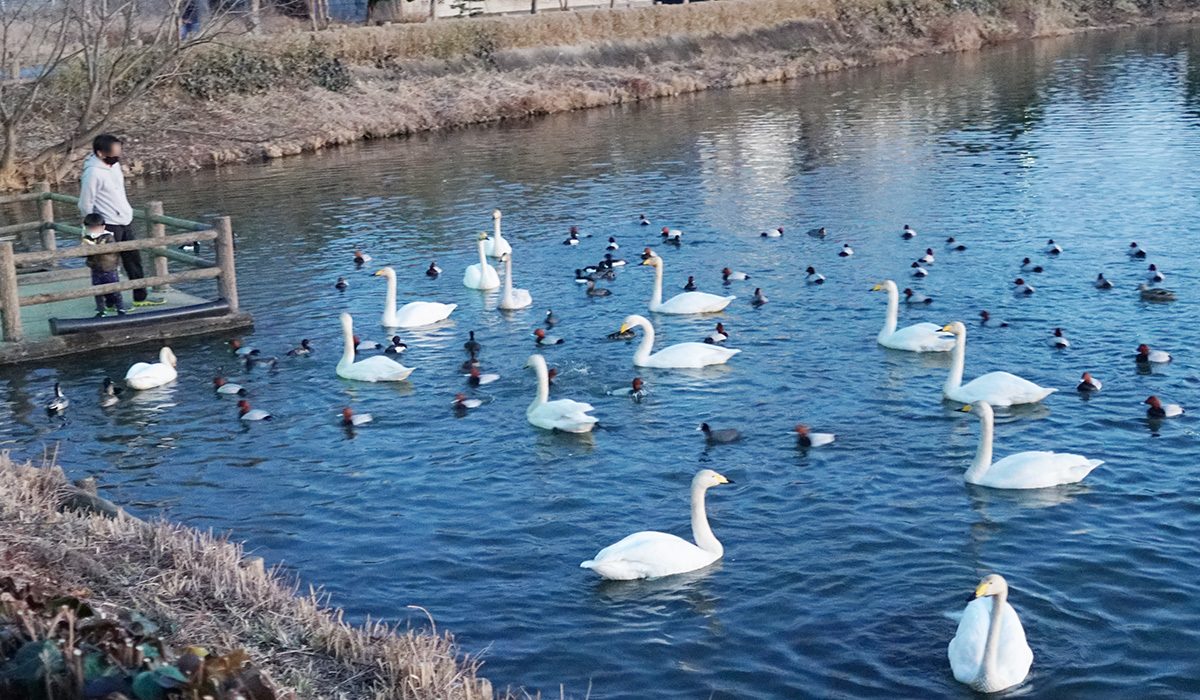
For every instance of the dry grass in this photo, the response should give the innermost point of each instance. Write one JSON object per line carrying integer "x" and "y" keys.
{"x": 203, "y": 589}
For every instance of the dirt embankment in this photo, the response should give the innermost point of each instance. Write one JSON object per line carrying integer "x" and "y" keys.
{"x": 266, "y": 97}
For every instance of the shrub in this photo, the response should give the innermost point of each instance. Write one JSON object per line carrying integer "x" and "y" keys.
{"x": 237, "y": 71}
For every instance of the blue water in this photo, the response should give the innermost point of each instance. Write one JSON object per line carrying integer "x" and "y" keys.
{"x": 844, "y": 565}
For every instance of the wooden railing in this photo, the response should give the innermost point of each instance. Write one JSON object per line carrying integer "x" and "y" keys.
{"x": 157, "y": 243}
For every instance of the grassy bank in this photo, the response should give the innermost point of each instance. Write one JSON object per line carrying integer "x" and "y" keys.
{"x": 93, "y": 580}
{"x": 266, "y": 97}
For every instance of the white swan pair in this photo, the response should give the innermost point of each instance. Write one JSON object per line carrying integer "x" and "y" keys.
{"x": 989, "y": 651}
{"x": 377, "y": 368}
{"x": 414, "y": 313}
{"x": 679, "y": 356}
{"x": 1023, "y": 470}
{"x": 920, "y": 337}
{"x": 996, "y": 388}
{"x": 685, "y": 303}
{"x": 148, "y": 375}
{"x": 651, "y": 554}
{"x": 481, "y": 275}
{"x": 564, "y": 414}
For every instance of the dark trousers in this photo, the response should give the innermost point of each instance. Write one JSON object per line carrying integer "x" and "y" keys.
{"x": 112, "y": 299}
{"x": 131, "y": 260}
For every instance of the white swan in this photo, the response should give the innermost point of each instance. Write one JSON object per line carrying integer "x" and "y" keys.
{"x": 685, "y": 303}
{"x": 146, "y": 375}
{"x": 997, "y": 388}
{"x": 414, "y": 313}
{"x": 564, "y": 414}
{"x": 1023, "y": 470}
{"x": 496, "y": 246}
{"x": 481, "y": 275}
{"x": 512, "y": 298}
{"x": 651, "y": 554}
{"x": 989, "y": 651}
{"x": 919, "y": 337}
{"x": 681, "y": 355}
{"x": 373, "y": 369}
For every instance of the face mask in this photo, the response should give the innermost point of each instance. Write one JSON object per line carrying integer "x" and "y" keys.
{"x": 111, "y": 160}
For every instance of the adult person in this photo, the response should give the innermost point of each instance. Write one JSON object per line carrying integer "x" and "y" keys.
{"x": 102, "y": 191}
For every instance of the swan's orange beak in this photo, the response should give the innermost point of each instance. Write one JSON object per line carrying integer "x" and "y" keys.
{"x": 723, "y": 480}
{"x": 876, "y": 288}
{"x": 377, "y": 273}
{"x": 948, "y": 328}
{"x": 982, "y": 589}
{"x": 623, "y": 328}
{"x": 966, "y": 409}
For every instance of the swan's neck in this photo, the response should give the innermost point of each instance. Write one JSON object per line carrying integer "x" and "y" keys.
{"x": 482, "y": 258}
{"x": 701, "y": 532}
{"x": 507, "y": 274}
{"x": 348, "y": 351}
{"x": 983, "y": 454}
{"x": 543, "y": 392}
{"x": 389, "y": 303}
{"x": 893, "y": 309}
{"x": 497, "y": 236}
{"x": 647, "y": 344}
{"x": 954, "y": 380}
{"x": 656, "y": 297}
{"x": 991, "y": 648}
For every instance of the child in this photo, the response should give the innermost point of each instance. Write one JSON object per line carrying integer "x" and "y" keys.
{"x": 103, "y": 265}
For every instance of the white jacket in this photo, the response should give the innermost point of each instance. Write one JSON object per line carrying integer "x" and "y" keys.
{"x": 102, "y": 191}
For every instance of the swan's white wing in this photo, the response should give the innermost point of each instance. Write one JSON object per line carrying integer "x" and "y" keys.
{"x": 1037, "y": 470}
{"x": 920, "y": 337}
{"x": 1001, "y": 389}
{"x": 375, "y": 369}
{"x": 966, "y": 649}
{"x": 694, "y": 303}
{"x": 691, "y": 355}
{"x": 423, "y": 313}
{"x": 564, "y": 414}
{"x": 137, "y": 368}
{"x": 648, "y": 554}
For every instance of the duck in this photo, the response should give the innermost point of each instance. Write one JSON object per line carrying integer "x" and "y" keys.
{"x": 817, "y": 232}
{"x": 146, "y": 375}
{"x": 373, "y": 369}
{"x": 462, "y": 404}
{"x": 1135, "y": 251}
{"x": 626, "y": 334}
{"x": 1145, "y": 354}
{"x": 396, "y": 347}
{"x": 679, "y": 356}
{"x": 59, "y": 402}
{"x": 470, "y": 363}
{"x": 1028, "y": 265}
{"x": 997, "y": 388}
{"x": 361, "y": 258}
{"x": 635, "y": 391}
{"x": 551, "y": 320}
{"x": 759, "y": 298}
{"x": 1158, "y": 409}
{"x": 610, "y": 261}
{"x": 510, "y": 298}
{"x": 919, "y": 337}
{"x": 912, "y": 298}
{"x": 563, "y": 414}
{"x": 846, "y": 251}
{"x": 472, "y": 346}
{"x": 908, "y": 234}
{"x": 248, "y": 414}
{"x": 241, "y": 350}
{"x": 341, "y": 285}
{"x": 572, "y": 237}
{"x": 1052, "y": 248}
{"x": 952, "y": 244}
{"x": 413, "y": 314}
{"x": 919, "y": 271}
{"x": 228, "y": 388}
{"x": 1155, "y": 295}
{"x": 806, "y": 438}
{"x": 814, "y": 277}
{"x": 651, "y": 554}
{"x": 475, "y": 379}
{"x": 481, "y": 275}
{"x": 1088, "y": 383}
{"x": 1058, "y": 340}
{"x": 496, "y": 246}
{"x": 719, "y": 437}
{"x": 543, "y": 339}
{"x": 772, "y": 233}
{"x": 672, "y": 235}
{"x": 989, "y": 651}
{"x": 304, "y": 349}
{"x": 647, "y": 253}
{"x": 1154, "y": 276}
{"x": 1101, "y": 282}
{"x": 1021, "y": 289}
{"x": 685, "y": 303}
{"x": 1023, "y": 470}
{"x": 986, "y": 319}
{"x": 594, "y": 291}
{"x": 366, "y": 345}
{"x": 927, "y": 257}
{"x": 691, "y": 285}
{"x": 731, "y": 276}
{"x": 612, "y": 244}
{"x": 350, "y": 419}
{"x": 718, "y": 336}
{"x": 110, "y": 393}
{"x": 433, "y": 271}
{"x": 643, "y": 220}
{"x": 582, "y": 277}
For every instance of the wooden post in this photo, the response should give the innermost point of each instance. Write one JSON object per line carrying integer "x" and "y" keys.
{"x": 49, "y": 242}
{"x": 10, "y": 302}
{"x": 432, "y": 10}
{"x": 227, "y": 282}
{"x": 533, "y": 7}
{"x": 156, "y": 230}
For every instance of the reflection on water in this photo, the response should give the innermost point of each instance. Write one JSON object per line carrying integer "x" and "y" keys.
{"x": 842, "y": 562}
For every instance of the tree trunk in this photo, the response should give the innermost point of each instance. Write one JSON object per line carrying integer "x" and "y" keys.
{"x": 9, "y": 178}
